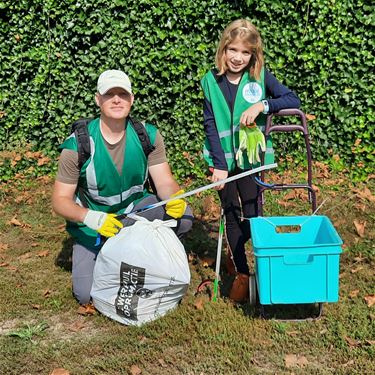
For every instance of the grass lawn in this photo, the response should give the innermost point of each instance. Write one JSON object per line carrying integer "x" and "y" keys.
{"x": 43, "y": 330}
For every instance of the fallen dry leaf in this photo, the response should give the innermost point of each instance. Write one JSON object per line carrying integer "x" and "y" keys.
{"x": 35, "y": 306}
{"x": 370, "y": 300}
{"x": 46, "y": 293}
{"x": 43, "y": 161}
{"x": 339, "y": 222}
{"x": 4, "y": 264}
{"x": 25, "y": 256}
{"x": 349, "y": 363}
{"x": 43, "y": 253}
{"x": 87, "y": 309}
{"x": 199, "y": 303}
{"x": 44, "y": 179}
{"x": 15, "y": 222}
{"x": 357, "y": 142}
{"x": 292, "y": 333}
{"x": 162, "y": 362}
{"x": 359, "y": 259}
{"x": 33, "y": 155}
{"x": 23, "y": 198}
{"x": 135, "y": 370}
{"x": 142, "y": 339}
{"x": 12, "y": 268}
{"x": 293, "y": 360}
{"x": 210, "y": 208}
{"x": 354, "y": 293}
{"x": 287, "y": 204}
{"x": 77, "y": 326}
{"x": 361, "y": 207}
{"x": 207, "y": 262}
{"x": 293, "y": 194}
{"x": 365, "y": 194}
{"x": 352, "y": 342}
{"x": 315, "y": 188}
{"x": 360, "y": 227}
{"x": 3, "y": 246}
{"x": 60, "y": 371}
{"x": 355, "y": 270}
{"x": 322, "y": 170}
{"x": 192, "y": 257}
{"x": 310, "y": 117}
{"x": 187, "y": 156}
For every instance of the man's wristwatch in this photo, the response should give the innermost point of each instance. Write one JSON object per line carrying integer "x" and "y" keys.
{"x": 266, "y": 107}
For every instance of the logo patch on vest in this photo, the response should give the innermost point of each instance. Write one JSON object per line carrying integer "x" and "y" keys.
{"x": 252, "y": 92}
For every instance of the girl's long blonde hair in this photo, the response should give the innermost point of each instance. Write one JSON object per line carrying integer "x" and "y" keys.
{"x": 247, "y": 32}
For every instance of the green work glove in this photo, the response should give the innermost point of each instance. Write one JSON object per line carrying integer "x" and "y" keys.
{"x": 177, "y": 207}
{"x": 105, "y": 224}
{"x": 250, "y": 140}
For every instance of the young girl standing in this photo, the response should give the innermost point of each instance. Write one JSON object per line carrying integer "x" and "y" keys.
{"x": 239, "y": 92}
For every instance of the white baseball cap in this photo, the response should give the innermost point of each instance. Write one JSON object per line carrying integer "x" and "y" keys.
{"x": 113, "y": 78}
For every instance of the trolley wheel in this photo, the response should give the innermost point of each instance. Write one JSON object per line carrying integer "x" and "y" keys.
{"x": 252, "y": 290}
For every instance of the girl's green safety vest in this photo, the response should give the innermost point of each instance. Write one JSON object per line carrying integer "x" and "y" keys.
{"x": 250, "y": 91}
{"x": 100, "y": 185}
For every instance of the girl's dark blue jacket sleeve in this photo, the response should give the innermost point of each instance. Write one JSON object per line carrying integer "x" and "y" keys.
{"x": 278, "y": 97}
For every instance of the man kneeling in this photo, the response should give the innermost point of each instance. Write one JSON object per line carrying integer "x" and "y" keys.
{"x": 112, "y": 180}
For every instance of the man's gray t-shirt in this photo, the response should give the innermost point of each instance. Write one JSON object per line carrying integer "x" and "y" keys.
{"x": 68, "y": 170}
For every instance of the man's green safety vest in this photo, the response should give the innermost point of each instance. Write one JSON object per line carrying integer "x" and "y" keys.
{"x": 250, "y": 91}
{"x": 100, "y": 185}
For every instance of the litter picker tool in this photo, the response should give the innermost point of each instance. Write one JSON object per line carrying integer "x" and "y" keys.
{"x": 200, "y": 189}
{"x": 218, "y": 256}
{"x": 192, "y": 192}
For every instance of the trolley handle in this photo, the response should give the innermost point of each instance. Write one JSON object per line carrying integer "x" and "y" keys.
{"x": 290, "y": 127}
{"x": 302, "y": 127}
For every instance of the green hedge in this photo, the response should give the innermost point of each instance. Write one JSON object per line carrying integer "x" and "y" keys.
{"x": 53, "y": 51}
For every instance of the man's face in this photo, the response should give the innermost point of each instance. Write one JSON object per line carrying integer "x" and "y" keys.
{"x": 115, "y": 103}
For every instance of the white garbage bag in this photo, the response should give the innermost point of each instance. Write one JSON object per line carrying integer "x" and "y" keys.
{"x": 141, "y": 273}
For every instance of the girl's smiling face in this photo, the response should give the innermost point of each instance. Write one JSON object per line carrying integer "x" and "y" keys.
{"x": 238, "y": 55}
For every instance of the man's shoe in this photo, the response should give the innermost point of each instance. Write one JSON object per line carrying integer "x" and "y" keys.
{"x": 240, "y": 288}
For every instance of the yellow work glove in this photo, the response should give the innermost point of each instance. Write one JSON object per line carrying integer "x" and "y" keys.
{"x": 105, "y": 224}
{"x": 177, "y": 207}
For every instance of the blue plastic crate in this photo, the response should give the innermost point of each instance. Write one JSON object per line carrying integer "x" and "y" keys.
{"x": 296, "y": 267}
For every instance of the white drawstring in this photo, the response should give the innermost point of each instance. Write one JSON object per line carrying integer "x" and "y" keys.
{"x": 275, "y": 226}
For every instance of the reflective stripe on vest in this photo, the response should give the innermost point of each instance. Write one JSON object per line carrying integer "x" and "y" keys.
{"x": 92, "y": 186}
